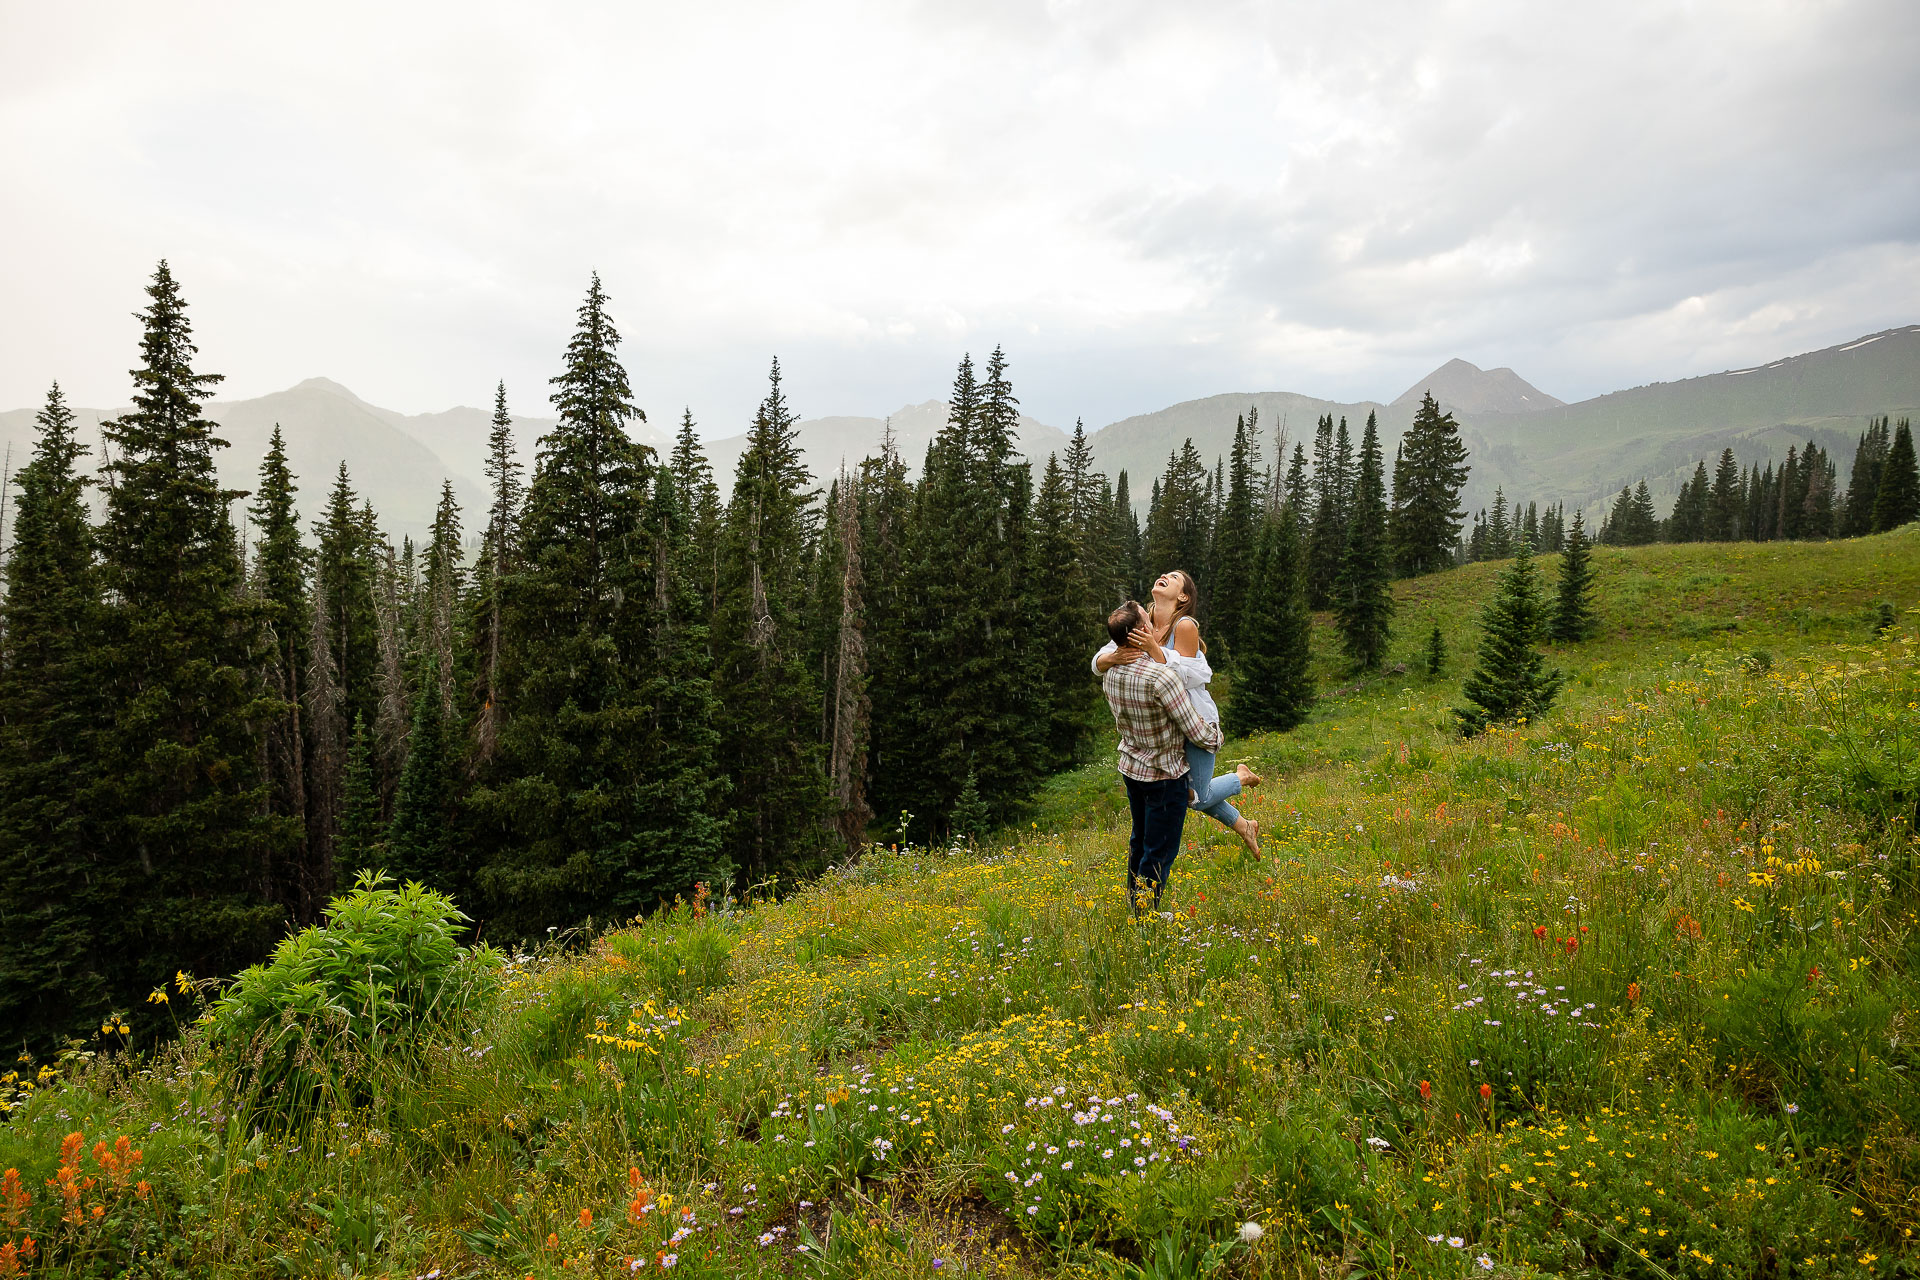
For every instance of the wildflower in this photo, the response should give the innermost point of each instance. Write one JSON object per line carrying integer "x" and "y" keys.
{"x": 1793, "y": 1109}
{"x": 1426, "y": 1090}
{"x": 1486, "y": 1091}
{"x": 1250, "y": 1232}
{"x": 1486, "y": 1263}
{"x": 1379, "y": 1144}
{"x": 1633, "y": 993}
{"x": 1540, "y": 931}
{"x": 586, "y": 1219}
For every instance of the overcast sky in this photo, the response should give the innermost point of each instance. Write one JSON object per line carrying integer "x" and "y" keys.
{"x": 1144, "y": 203}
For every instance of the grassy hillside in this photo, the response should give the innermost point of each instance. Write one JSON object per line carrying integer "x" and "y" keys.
{"x": 1629, "y": 992}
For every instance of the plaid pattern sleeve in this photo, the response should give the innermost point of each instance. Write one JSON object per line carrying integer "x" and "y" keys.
{"x": 1155, "y": 718}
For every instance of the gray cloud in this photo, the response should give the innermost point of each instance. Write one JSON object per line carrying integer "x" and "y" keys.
{"x": 1143, "y": 202}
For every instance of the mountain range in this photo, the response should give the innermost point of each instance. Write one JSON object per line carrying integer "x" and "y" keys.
{"x": 1521, "y": 439}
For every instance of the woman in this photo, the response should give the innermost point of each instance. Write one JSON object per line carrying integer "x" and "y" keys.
{"x": 1174, "y": 638}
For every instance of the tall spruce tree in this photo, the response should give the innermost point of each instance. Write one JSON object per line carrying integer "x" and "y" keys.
{"x": 499, "y": 549}
{"x": 770, "y": 698}
{"x": 1724, "y": 501}
{"x": 1499, "y": 528}
{"x": 1863, "y": 483}
{"x": 1065, "y": 618}
{"x": 280, "y": 586}
{"x": 1511, "y": 681}
{"x": 187, "y": 840}
{"x": 1273, "y": 689}
{"x": 55, "y": 924}
{"x": 419, "y": 844}
{"x": 1328, "y": 541}
{"x": 561, "y": 806}
{"x": 848, "y": 706}
{"x": 1897, "y": 500}
{"x": 1180, "y": 525}
{"x": 887, "y": 540}
{"x": 1236, "y": 541}
{"x": 1573, "y": 618}
{"x": 1427, "y": 480}
{"x": 1362, "y": 601}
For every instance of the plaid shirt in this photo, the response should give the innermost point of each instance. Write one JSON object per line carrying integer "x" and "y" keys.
{"x": 1155, "y": 718}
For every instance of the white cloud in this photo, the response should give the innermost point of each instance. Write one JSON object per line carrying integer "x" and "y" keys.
{"x": 1144, "y": 202}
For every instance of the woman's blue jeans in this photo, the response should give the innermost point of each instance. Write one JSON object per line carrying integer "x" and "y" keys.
{"x": 1210, "y": 793}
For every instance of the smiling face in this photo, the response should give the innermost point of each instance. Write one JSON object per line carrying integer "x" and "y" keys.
{"x": 1171, "y": 588}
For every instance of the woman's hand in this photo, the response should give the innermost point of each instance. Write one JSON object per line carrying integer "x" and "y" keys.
{"x": 1142, "y": 638}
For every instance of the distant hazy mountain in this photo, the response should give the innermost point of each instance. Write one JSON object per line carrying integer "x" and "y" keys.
{"x": 1467, "y": 388}
{"x": 828, "y": 443}
{"x": 1521, "y": 439}
{"x": 1577, "y": 453}
{"x": 1583, "y": 453}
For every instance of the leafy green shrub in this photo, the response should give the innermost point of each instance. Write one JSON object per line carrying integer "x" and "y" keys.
{"x": 341, "y": 1001}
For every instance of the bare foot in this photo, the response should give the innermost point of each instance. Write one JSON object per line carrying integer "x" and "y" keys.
{"x": 1248, "y": 778}
{"x": 1249, "y": 831}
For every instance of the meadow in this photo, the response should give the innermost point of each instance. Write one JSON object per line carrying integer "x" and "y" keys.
{"x": 1629, "y": 991}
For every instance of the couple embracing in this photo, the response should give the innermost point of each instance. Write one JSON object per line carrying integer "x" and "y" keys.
{"x": 1154, "y": 672}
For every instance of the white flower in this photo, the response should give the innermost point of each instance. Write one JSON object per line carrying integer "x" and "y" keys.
{"x": 1486, "y": 1263}
{"x": 1379, "y": 1143}
{"x": 1456, "y": 1242}
{"x": 1251, "y": 1231}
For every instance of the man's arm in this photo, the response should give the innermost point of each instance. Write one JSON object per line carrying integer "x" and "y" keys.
{"x": 1179, "y": 708}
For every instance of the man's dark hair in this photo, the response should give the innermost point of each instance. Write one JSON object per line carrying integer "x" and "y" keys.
{"x": 1124, "y": 619}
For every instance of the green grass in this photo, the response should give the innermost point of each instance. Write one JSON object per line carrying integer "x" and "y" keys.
{"x": 1718, "y": 814}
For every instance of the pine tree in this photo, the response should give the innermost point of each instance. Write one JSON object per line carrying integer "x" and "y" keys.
{"x": 1690, "y": 508}
{"x": 849, "y": 710}
{"x": 1863, "y": 484}
{"x": 1274, "y": 686}
{"x": 1126, "y": 524}
{"x": 1724, "y": 500}
{"x": 1511, "y": 682}
{"x": 324, "y": 704}
{"x": 886, "y": 538}
{"x": 418, "y": 843}
{"x": 362, "y": 845}
{"x": 1426, "y": 491}
{"x": 569, "y": 803}
{"x": 279, "y": 584}
{"x": 1180, "y": 525}
{"x": 345, "y": 566}
{"x": 53, "y": 978}
{"x": 499, "y": 549}
{"x": 1236, "y": 541}
{"x": 1573, "y": 618}
{"x": 1433, "y": 657}
{"x": 1499, "y": 528}
{"x": 1064, "y": 618}
{"x": 187, "y": 841}
{"x": 699, "y": 499}
{"x": 1362, "y": 599}
{"x": 770, "y": 698}
{"x": 1897, "y": 498}
{"x": 1328, "y": 542}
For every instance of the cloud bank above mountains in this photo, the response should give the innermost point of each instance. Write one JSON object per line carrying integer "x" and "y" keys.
{"x": 1144, "y": 203}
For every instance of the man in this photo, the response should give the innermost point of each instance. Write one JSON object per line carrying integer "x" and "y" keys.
{"x": 1155, "y": 718}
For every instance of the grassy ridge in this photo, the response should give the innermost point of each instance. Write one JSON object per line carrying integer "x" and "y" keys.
{"x": 1627, "y": 992}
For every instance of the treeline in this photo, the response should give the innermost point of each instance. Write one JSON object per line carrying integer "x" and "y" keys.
{"x": 637, "y": 683}
{"x": 1799, "y": 499}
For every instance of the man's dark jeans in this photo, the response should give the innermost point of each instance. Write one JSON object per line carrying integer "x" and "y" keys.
{"x": 1159, "y": 813}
